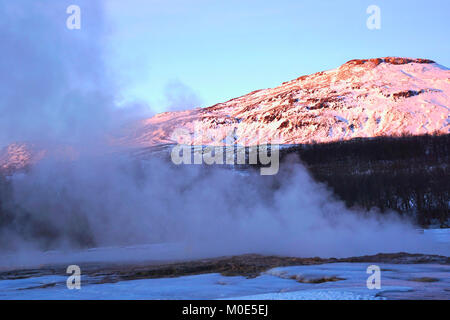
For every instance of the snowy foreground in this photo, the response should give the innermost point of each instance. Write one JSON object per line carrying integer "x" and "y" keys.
{"x": 324, "y": 281}
{"x": 427, "y": 281}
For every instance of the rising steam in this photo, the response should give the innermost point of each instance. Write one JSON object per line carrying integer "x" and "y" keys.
{"x": 56, "y": 89}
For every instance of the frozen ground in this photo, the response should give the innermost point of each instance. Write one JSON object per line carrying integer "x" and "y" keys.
{"x": 323, "y": 281}
{"x": 427, "y": 281}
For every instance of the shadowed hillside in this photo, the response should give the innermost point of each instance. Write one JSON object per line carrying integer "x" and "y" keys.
{"x": 408, "y": 174}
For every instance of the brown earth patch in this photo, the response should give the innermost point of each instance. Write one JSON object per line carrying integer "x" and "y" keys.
{"x": 248, "y": 265}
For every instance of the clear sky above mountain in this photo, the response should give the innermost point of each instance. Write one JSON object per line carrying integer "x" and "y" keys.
{"x": 176, "y": 54}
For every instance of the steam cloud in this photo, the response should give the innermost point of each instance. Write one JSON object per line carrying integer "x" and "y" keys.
{"x": 180, "y": 97}
{"x": 55, "y": 88}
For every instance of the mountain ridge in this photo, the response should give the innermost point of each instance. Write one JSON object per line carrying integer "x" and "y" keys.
{"x": 362, "y": 98}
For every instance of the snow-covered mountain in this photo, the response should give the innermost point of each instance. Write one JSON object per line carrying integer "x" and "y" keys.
{"x": 362, "y": 98}
{"x": 19, "y": 155}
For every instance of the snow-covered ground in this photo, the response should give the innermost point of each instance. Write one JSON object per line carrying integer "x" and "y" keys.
{"x": 399, "y": 281}
{"x": 441, "y": 236}
{"x": 326, "y": 281}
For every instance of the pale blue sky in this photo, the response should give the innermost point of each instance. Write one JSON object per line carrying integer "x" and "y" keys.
{"x": 216, "y": 50}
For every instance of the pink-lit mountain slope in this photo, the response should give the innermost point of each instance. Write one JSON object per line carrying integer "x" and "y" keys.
{"x": 362, "y": 98}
